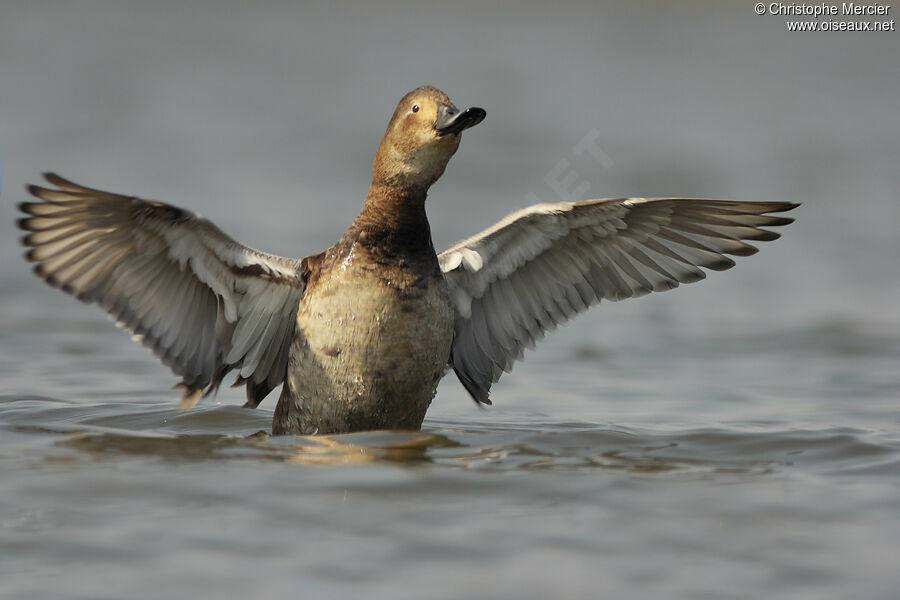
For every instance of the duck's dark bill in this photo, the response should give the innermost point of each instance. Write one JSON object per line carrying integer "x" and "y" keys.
{"x": 452, "y": 120}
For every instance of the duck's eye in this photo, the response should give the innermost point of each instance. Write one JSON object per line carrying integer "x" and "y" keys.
{"x": 415, "y": 108}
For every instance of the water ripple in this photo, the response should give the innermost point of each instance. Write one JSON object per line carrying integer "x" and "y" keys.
{"x": 230, "y": 433}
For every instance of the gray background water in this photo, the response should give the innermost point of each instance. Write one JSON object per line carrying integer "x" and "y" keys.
{"x": 737, "y": 438}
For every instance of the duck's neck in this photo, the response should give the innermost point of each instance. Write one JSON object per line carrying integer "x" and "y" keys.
{"x": 393, "y": 220}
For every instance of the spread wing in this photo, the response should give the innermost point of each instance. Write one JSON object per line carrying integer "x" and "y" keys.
{"x": 540, "y": 266}
{"x": 202, "y": 302}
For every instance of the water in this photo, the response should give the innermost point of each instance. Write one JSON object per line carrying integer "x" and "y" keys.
{"x": 737, "y": 438}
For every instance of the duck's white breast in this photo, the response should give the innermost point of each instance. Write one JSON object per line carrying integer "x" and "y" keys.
{"x": 375, "y": 343}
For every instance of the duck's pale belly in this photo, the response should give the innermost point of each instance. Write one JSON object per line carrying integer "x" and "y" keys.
{"x": 370, "y": 355}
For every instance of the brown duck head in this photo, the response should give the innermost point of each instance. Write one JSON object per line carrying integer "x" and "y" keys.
{"x": 420, "y": 139}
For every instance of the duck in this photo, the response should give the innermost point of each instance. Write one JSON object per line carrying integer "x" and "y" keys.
{"x": 359, "y": 335}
